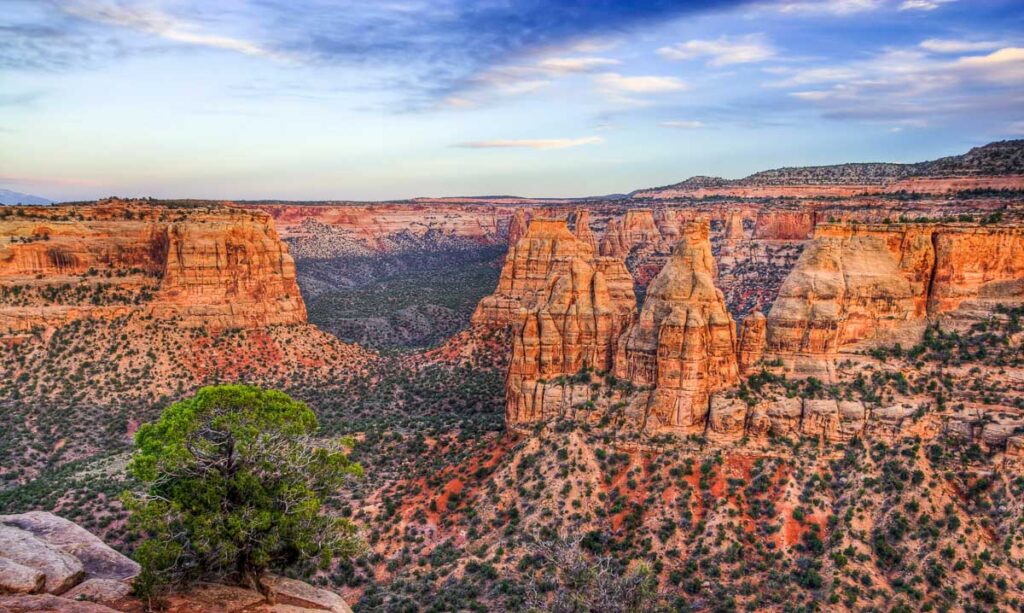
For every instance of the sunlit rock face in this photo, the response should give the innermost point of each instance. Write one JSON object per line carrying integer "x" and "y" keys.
{"x": 570, "y": 320}
{"x": 684, "y": 340}
{"x": 212, "y": 267}
{"x": 548, "y": 246}
{"x": 859, "y": 284}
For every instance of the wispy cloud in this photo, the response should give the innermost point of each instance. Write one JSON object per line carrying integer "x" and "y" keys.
{"x": 568, "y": 65}
{"x": 722, "y": 51}
{"x": 156, "y": 23}
{"x": 613, "y": 82}
{"x": 828, "y": 7}
{"x": 922, "y": 5}
{"x": 682, "y": 124}
{"x": 952, "y": 45}
{"x": 542, "y": 143}
{"x": 911, "y": 86}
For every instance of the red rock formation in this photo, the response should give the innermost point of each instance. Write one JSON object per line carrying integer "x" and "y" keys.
{"x": 752, "y": 341}
{"x": 862, "y": 283}
{"x": 216, "y": 267}
{"x": 684, "y": 341}
{"x": 734, "y": 231}
{"x": 516, "y": 227}
{"x": 611, "y": 242}
{"x": 376, "y": 224}
{"x": 582, "y": 229}
{"x": 784, "y": 225}
{"x": 547, "y": 246}
{"x": 576, "y": 325}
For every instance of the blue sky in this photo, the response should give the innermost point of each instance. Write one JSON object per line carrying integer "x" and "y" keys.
{"x": 335, "y": 99}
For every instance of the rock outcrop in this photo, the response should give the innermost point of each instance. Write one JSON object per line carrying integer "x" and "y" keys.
{"x": 611, "y": 242}
{"x": 38, "y": 544}
{"x": 572, "y": 324}
{"x": 48, "y": 563}
{"x": 548, "y": 246}
{"x": 684, "y": 340}
{"x": 581, "y": 230}
{"x": 205, "y": 267}
{"x": 857, "y": 284}
{"x": 753, "y": 334}
{"x": 517, "y": 227}
{"x": 784, "y": 225}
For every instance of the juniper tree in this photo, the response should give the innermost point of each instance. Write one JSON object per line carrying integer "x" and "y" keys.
{"x": 235, "y": 486}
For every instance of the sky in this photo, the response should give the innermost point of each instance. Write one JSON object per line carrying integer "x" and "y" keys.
{"x": 389, "y": 99}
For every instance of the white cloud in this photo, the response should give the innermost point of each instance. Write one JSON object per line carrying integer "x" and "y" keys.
{"x": 683, "y": 124}
{"x": 948, "y": 45}
{"x": 911, "y": 87}
{"x": 830, "y": 7}
{"x": 567, "y": 65}
{"x": 722, "y": 51}
{"x": 922, "y": 5}
{"x": 1017, "y": 128}
{"x": 1005, "y": 66}
{"x": 614, "y": 82}
{"x": 542, "y": 143}
{"x": 165, "y": 26}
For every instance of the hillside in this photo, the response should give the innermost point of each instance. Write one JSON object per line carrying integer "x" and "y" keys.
{"x": 998, "y": 159}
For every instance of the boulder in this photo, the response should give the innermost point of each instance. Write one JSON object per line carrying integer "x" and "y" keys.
{"x": 18, "y": 579}
{"x": 298, "y": 593}
{"x": 97, "y": 559}
{"x": 61, "y": 569}
{"x": 100, "y": 590}
{"x": 727, "y": 420}
{"x": 48, "y": 603}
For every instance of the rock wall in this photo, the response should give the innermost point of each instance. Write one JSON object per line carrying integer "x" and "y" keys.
{"x": 576, "y": 325}
{"x": 684, "y": 340}
{"x": 218, "y": 267}
{"x": 547, "y": 247}
{"x": 856, "y": 284}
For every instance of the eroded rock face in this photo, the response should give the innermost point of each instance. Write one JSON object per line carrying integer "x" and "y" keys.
{"x": 611, "y": 242}
{"x": 684, "y": 340}
{"x": 784, "y": 225}
{"x": 576, "y": 324}
{"x": 860, "y": 284}
{"x": 753, "y": 333}
{"x": 517, "y": 227}
{"x": 582, "y": 229}
{"x": 210, "y": 267}
{"x": 547, "y": 247}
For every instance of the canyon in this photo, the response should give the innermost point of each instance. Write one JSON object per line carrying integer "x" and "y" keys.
{"x": 783, "y": 390}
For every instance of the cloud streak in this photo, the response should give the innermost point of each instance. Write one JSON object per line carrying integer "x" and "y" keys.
{"x": 541, "y": 143}
{"x": 156, "y": 23}
{"x": 722, "y": 51}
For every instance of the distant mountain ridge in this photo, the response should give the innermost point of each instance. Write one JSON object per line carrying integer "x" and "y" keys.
{"x": 11, "y": 197}
{"x": 994, "y": 159}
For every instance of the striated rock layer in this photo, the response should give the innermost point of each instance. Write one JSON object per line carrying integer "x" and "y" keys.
{"x": 855, "y": 284}
{"x": 684, "y": 341}
{"x": 547, "y": 247}
{"x": 215, "y": 267}
{"x": 576, "y": 326}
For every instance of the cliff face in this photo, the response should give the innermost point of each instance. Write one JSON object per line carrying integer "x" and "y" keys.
{"x": 222, "y": 268}
{"x": 228, "y": 274}
{"x": 861, "y": 283}
{"x": 576, "y": 324}
{"x": 582, "y": 229}
{"x": 684, "y": 341}
{"x": 547, "y": 247}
